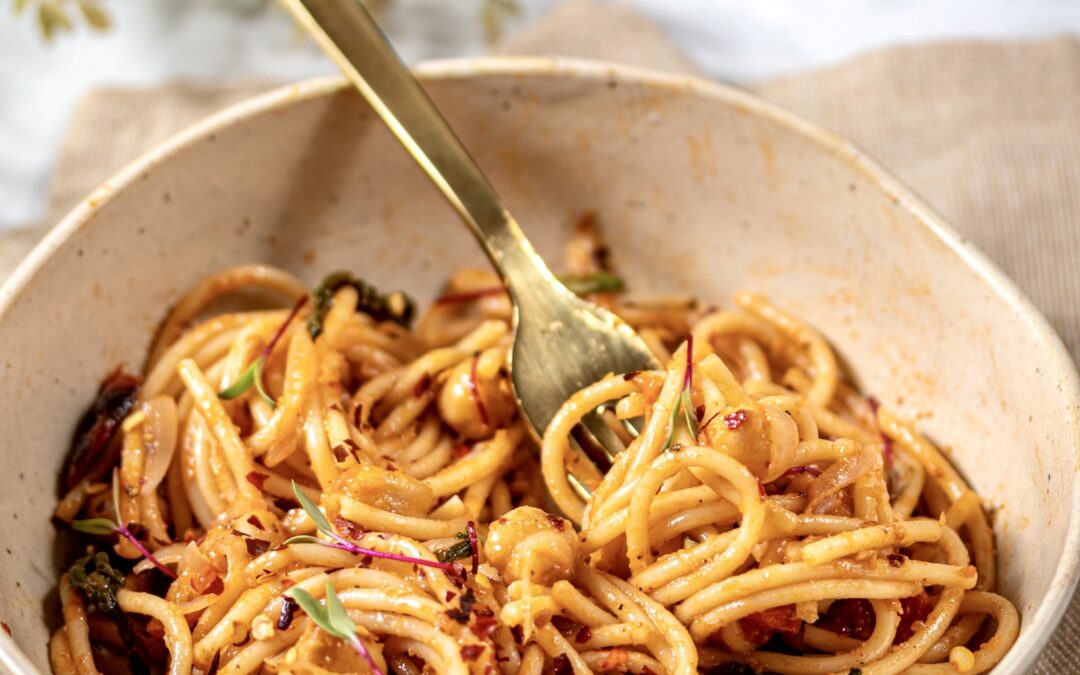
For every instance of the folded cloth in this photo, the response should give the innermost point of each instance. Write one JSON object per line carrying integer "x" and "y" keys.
{"x": 985, "y": 132}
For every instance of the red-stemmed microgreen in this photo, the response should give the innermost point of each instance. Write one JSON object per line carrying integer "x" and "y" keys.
{"x": 684, "y": 403}
{"x": 253, "y": 375}
{"x": 334, "y": 620}
{"x": 341, "y": 543}
{"x": 474, "y": 544}
{"x": 104, "y": 527}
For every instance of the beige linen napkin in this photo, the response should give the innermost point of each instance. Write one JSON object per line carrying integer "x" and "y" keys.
{"x": 988, "y": 133}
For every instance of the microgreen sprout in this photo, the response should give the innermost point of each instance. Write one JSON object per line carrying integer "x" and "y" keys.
{"x": 253, "y": 374}
{"x": 334, "y": 620}
{"x": 684, "y": 404}
{"x": 343, "y": 544}
{"x": 104, "y": 527}
{"x": 456, "y": 551}
{"x": 474, "y": 544}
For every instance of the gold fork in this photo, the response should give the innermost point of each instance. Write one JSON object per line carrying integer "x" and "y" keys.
{"x": 561, "y": 343}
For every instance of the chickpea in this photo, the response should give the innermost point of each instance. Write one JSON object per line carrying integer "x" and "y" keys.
{"x": 458, "y": 403}
{"x": 529, "y": 544}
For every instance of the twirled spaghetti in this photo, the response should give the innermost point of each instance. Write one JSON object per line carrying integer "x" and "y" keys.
{"x": 766, "y": 517}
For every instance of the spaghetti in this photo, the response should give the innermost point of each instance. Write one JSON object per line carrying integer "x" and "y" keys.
{"x": 765, "y": 516}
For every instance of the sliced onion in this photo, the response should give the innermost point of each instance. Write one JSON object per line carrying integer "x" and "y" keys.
{"x": 159, "y": 432}
{"x": 165, "y": 555}
{"x": 837, "y": 477}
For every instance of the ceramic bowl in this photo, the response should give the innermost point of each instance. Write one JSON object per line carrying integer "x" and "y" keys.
{"x": 699, "y": 187}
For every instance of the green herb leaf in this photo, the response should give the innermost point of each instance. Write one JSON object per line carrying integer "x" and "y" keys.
{"x": 594, "y": 282}
{"x": 302, "y": 539}
{"x": 689, "y": 416}
{"x": 95, "y": 16}
{"x": 459, "y": 550}
{"x": 396, "y": 307}
{"x": 95, "y": 577}
{"x": 242, "y": 384}
{"x": 337, "y": 615}
{"x": 314, "y": 609}
{"x": 312, "y": 510}
{"x": 97, "y": 526}
{"x": 259, "y": 384}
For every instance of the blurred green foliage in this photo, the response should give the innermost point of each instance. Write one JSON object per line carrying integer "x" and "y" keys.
{"x": 56, "y": 16}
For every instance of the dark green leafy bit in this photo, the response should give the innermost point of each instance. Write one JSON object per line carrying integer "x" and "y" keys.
{"x": 593, "y": 282}
{"x": 396, "y": 306}
{"x": 459, "y": 550}
{"x": 92, "y": 449}
{"x": 99, "y": 581}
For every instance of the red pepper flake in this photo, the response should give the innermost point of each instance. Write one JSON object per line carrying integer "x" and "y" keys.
{"x": 484, "y": 624}
{"x": 216, "y": 587}
{"x": 339, "y": 453}
{"x": 503, "y": 521}
{"x": 347, "y": 527}
{"x": 257, "y": 479}
{"x": 286, "y": 504}
{"x": 358, "y": 414}
{"x": 472, "y": 652}
{"x": 421, "y": 385}
{"x": 913, "y": 610}
{"x": 469, "y": 296}
{"x": 560, "y": 665}
{"x": 583, "y": 635}
{"x": 475, "y": 389}
{"x": 254, "y": 520}
{"x": 760, "y": 626}
{"x": 7, "y": 628}
{"x": 699, "y": 413}
{"x": 155, "y": 629}
{"x": 558, "y": 523}
{"x": 808, "y": 470}
{"x": 461, "y": 450}
{"x": 474, "y": 544}
{"x": 849, "y": 618}
{"x": 366, "y": 561}
{"x": 450, "y": 595}
{"x": 288, "y": 609}
{"x": 256, "y": 547}
{"x": 735, "y": 420}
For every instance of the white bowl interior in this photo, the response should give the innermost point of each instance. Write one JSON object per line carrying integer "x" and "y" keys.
{"x": 698, "y": 188}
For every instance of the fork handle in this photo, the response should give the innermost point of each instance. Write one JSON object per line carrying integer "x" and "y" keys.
{"x": 348, "y": 34}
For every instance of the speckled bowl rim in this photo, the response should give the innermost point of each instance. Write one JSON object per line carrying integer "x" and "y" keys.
{"x": 1038, "y": 627}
